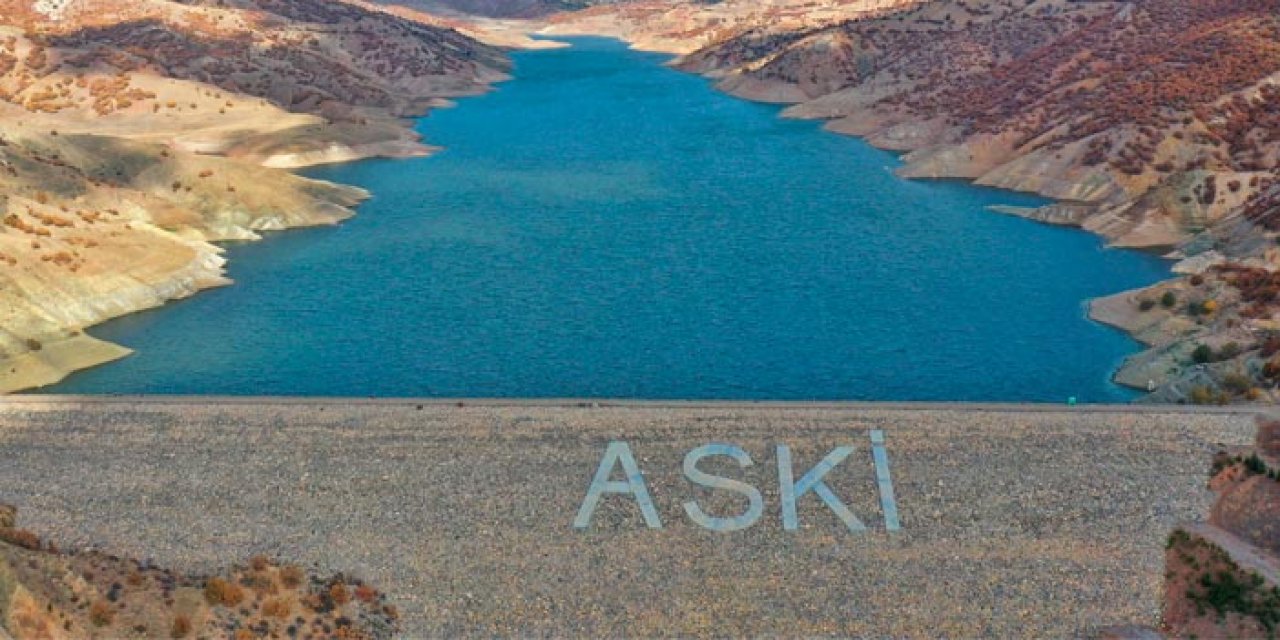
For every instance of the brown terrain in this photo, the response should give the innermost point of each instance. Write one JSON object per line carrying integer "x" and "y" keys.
{"x": 48, "y": 594}
{"x": 1222, "y": 577}
{"x": 134, "y": 134}
{"x": 1154, "y": 124}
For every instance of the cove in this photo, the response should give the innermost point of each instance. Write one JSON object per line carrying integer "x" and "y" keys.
{"x": 603, "y": 226}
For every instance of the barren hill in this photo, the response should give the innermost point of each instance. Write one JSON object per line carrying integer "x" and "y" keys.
{"x": 1152, "y": 123}
{"x": 133, "y": 133}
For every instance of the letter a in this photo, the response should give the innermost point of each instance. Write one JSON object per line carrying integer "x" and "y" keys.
{"x": 633, "y": 485}
{"x": 790, "y": 489}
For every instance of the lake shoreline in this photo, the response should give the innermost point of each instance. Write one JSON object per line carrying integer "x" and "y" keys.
{"x": 50, "y": 361}
{"x": 671, "y": 391}
{"x": 1130, "y": 373}
{"x": 905, "y": 142}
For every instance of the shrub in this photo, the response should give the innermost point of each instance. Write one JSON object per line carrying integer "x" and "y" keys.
{"x": 1146, "y": 305}
{"x": 1201, "y": 395}
{"x": 1237, "y": 382}
{"x": 1168, "y": 299}
{"x": 1197, "y": 280}
{"x": 292, "y": 576}
{"x": 1254, "y": 465}
{"x": 21, "y": 538}
{"x": 1229, "y": 351}
{"x": 221, "y": 592}
{"x": 101, "y": 614}
{"x": 276, "y": 608}
{"x": 1202, "y": 354}
{"x": 366, "y": 593}
{"x": 181, "y": 627}
{"x": 338, "y": 592}
{"x": 1270, "y": 346}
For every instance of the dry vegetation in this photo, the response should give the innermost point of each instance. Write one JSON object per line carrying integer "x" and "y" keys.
{"x": 1157, "y": 123}
{"x": 97, "y": 595}
{"x": 112, "y": 117}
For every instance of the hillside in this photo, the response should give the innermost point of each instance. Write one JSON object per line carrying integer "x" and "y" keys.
{"x": 1222, "y": 575}
{"x": 681, "y": 26}
{"x": 1151, "y": 123}
{"x": 502, "y": 9}
{"x": 133, "y": 134}
{"x": 51, "y": 594}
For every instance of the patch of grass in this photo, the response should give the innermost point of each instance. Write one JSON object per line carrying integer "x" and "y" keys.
{"x": 218, "y": 591}
{"x": 21, "y": 538}
{"x": 276, "y": 608}
{"x": 181, "y": 627}
{"x": 292, "y": 577}
{"x": 339, "y": 594}
{"x": 101, "y": 614}
{"x": 1237, "y": 382}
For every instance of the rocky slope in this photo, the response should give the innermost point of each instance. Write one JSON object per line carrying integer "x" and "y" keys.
{"x": 683, "y": 26}
{"x": 1222, "y": 576}
{"x": 1151, "y": 123}
{"x": 500, "y": 8}
{"x": 134, "y": 134}
{"x": 48, "y": 594}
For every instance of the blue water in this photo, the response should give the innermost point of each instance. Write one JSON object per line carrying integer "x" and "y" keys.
{"x": 604, "y": 226}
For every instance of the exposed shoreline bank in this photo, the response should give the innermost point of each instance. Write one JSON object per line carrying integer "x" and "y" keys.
{"x": 734, "y": 96}
{"x": 1104, "y": 310}
{"x": 54, "y": 360}
{"x": 900, "y": 139}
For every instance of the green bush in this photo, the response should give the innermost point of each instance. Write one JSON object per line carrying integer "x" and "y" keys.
{"x": 1229, "y": 351}
{"x": 1254, "y": 465}
{"x": 1202, "y": 354}
{"x": 1202, "y": 395}
{"x": 1168, "y": 299}
{"x": 1237, "y": 382}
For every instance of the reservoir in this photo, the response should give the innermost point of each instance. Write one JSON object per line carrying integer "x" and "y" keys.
{"x": 604, "y": 226}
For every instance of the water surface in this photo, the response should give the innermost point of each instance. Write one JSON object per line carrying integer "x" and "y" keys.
{"x": 605, "y": 226}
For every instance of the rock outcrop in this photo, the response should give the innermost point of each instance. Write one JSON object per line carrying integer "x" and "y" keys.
{"x": 46, "y": 594}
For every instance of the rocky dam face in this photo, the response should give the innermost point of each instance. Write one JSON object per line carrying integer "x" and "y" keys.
{"x": 479, "y": 519}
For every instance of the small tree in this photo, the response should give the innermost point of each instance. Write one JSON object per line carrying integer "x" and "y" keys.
{"x": 1168, "y": 299}
{"x": 1201, "y": 395}
{"x": 1229, "y": 351}
{"x": 1202, "y": 354}
{"x": 1237, "y": 382}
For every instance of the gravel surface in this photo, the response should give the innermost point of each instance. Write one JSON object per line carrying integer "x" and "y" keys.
{"x": 1015, "y": 523}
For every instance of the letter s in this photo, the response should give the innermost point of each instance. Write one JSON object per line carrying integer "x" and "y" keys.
{"x": 691, "y": 471}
